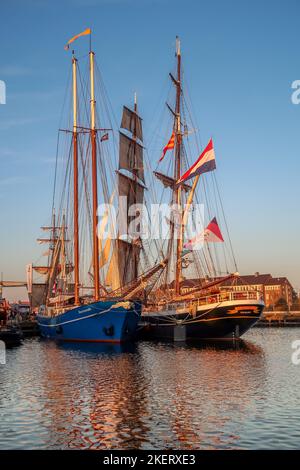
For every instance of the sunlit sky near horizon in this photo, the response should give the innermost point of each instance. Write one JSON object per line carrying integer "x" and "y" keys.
{"x": 240, "y": 58}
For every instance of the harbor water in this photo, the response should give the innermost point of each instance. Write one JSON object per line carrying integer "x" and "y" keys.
{"x": 152, "y": 395}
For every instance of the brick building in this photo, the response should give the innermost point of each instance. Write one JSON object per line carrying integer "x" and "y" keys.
{"x": 272, "y": 288}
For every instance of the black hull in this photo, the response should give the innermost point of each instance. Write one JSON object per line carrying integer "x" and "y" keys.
{"x": 29, "y": 329}
{"x": 11, "y": 336}
{"x": 220, "y": 323}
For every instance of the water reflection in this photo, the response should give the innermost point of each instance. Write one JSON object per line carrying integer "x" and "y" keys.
{"x": 148, "y": 395}
{"x": 198, "y": 388}
{"x": 98, "y": 348}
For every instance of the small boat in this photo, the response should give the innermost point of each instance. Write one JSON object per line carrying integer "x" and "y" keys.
{"x": 4, "y": 309}
{"x": 11, "y": 336}
{"x": 29, "y": 328}
{"x": 78, "y": 304}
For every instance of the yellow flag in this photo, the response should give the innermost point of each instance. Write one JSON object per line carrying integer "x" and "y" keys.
{"x": 84, "y": 33}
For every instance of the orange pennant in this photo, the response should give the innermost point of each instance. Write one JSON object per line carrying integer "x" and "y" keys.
{"x": 84, "y": 33}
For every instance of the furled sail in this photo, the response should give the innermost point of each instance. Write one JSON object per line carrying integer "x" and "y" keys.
{"x": 133, "y": 190}
{"x": 38, "y": 295}
{"x": 132, "y": 122}
{"x": 54, "y": 267}
{"x": 170, "y": 182}
{"x": 104, "y": 253}
{"x": 41, "y": 269}
{"x": 112, "y": 276}
{"x": 131, "y": 156}
{"x": 46, "y": 240}
{"x": 13, "y": 284}
{"x": 47, "y": 269}
{"x": 129, "y": 254}
{"x": 131, "y": 193}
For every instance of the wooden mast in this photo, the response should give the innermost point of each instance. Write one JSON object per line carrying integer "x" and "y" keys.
{"x": 93, "y": 132}
{"x": 177, "y": 171}
{"x": 134, "y": 136}
{"x": 75, "y": 183}
{"x": 52, "y": 250}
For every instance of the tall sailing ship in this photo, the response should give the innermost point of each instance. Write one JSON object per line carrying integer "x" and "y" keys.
{"x": 177, "y": 279}
{"x": 205, "y": 303}
{"x": 81, "y": 300}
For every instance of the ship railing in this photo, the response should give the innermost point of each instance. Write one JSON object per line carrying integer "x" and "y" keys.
{"x": 225, "y": 296}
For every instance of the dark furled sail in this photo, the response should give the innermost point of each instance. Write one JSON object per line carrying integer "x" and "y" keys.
{"x": 132, "y": 122}
{"x": 128, "y": 260}
{"x": 38, "y": 295}
{"x": 131, "y": 156}
{"x": 130, "y": 188}
{"x": 131, "y": 192}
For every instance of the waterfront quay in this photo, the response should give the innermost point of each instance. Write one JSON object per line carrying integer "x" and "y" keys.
{"x": 278, "y": 318}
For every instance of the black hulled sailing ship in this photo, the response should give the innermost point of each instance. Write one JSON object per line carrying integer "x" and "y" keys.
{"x": 212, "y": 305}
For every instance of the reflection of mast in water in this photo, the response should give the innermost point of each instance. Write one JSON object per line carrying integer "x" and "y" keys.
{"x": 163, "y": 396}
{"x": 119, "y": 403}
{"x": 95, "y": 396}
{"x": 63, "y": 397}
{"x": 199, "y": 393}
{"x": 224, "y": 383}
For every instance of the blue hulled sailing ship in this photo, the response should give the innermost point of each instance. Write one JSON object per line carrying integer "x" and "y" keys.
{"x": 102, "y": 321}
{"x": 82, "y": 297}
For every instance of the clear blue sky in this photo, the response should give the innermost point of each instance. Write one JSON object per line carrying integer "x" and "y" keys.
{"x": 240, "y": 58}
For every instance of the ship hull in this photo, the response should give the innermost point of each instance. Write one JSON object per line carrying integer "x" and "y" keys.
{"x": 99, "y": 322}
{"x": 228, "y": 320}
{"x": 11, "y": 336}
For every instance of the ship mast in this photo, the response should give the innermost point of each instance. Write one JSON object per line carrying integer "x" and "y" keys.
{"x": 93, "y": 133}
{"x": 134, "y": 136}
{"x": 177, "y": 169}
{"x": 75, "y": 182}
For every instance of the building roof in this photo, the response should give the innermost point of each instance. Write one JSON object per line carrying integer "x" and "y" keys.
{"x": 246, "y": 280}
{"x": 278, "y": 281}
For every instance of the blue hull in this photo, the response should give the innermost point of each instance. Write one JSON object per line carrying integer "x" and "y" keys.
{"x": 103, "y": 321}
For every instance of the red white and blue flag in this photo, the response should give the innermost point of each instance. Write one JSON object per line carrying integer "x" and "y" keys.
{"x": 212, "y": 234}
{"x": 206, "y": 162}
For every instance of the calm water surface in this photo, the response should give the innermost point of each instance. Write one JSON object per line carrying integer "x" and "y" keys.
{"x": 154, "y": 396}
